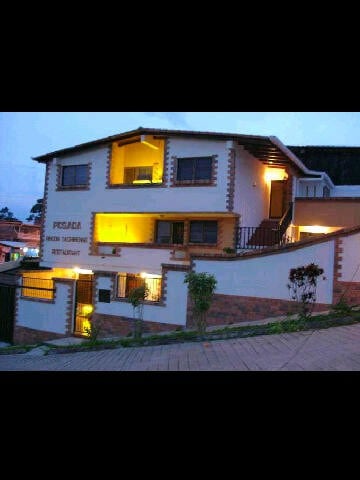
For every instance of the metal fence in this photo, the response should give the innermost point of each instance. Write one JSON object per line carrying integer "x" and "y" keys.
{"x": 127, "y": 282}
{"x": 255, "y": 237}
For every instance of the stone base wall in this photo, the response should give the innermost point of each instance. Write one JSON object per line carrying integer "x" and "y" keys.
{"x": 229, "y": 309}
{"x": 347, "y": 291}
{"x": 28, "y": 336}
{"x": 112, "y": 325}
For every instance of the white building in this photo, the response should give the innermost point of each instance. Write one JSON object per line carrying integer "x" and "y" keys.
{"x": 147, "y": 206}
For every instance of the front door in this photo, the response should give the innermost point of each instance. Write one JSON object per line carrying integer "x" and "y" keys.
{"x": 277, "y": 198}
{"x": 83, "y": 303}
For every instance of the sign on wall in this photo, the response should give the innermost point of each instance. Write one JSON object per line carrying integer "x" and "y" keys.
{"x": 66, "y": 225}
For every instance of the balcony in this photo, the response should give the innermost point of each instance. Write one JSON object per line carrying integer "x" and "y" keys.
{"x": 268, "y": 233}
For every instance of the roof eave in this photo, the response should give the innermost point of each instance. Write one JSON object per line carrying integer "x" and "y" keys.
{"x": 154, "y": 131}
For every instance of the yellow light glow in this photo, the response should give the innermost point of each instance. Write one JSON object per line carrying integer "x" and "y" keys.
{"x": 118, "y": 228}
{"x": 315, "y": 229}
{"x": 87, "y": 309}
{"x": 275, "y": 174}
{"x": 141, "y": 181}
{"x": 85, "y": 327}
{"x": 82, "y": 270}
{"x": 149, "y": 275}
{"x": 149, "y": 145}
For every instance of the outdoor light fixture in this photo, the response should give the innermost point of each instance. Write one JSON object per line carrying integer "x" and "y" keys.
{"x": 275, "y": 174}
{"x": 314, "y": 229}
{"x": 82, "y": 270}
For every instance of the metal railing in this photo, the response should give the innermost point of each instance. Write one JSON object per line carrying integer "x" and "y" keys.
{"x": 128, "y": 282}
{"x": 260, "y": 237}
{"x": 256, "y": 237}
{"x": 285, "y": 220}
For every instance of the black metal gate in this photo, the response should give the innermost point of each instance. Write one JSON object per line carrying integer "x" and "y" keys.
{"x": 83, "y": 302}
{"x": 7, "y": 309}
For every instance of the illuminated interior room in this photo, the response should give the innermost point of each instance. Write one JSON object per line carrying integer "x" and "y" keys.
{"x": 137, "y": 161}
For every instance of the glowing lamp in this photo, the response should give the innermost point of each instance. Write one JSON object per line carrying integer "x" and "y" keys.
{"x": 82, "y": 270}
{"x": 86, "y": 310}
{"x": 275, "y": 174}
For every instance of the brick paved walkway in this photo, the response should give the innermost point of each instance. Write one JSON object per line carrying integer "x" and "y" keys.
{"x": 331, "y": 349}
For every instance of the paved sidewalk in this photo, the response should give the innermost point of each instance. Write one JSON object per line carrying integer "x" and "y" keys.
{"x": 331, "y": 349}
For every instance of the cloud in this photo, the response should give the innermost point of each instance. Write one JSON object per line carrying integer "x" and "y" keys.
{"x": 173, "y": 119}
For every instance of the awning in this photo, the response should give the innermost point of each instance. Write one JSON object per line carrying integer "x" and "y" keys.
{"x": 12, "y": 244}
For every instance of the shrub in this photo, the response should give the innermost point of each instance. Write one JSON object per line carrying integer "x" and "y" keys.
{"x": 302, "y": 287}
{"x": 93, "y": 330}
{"x": 136, "y": 298}
{"x": 229, "y": 250}
{"x": 201, "y": 287}
{"x": 342, "y": 307}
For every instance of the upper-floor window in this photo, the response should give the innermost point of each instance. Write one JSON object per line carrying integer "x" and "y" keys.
{"x": 170, "y": 232}
{"x": 137, "y": 162}
{"x": 194, "y": 169}
{"x": 75, "y": 176}
{"x": 203, "y": 232}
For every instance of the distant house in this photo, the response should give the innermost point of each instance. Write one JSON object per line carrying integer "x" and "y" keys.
{"x": 18, "y": 239}
{"x": 324, "y": 209}
{"x": 149, "y": 205}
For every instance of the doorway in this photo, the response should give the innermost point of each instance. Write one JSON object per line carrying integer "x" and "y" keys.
{"x": 83, "y": 303}
{"x": 277, "y": 198}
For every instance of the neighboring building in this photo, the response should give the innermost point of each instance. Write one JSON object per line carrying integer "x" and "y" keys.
{"x": 18, "y": 239}
{"x": 320, "y": 209}
{"x": 149, "y": 205}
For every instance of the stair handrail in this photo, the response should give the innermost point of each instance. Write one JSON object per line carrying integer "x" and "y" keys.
{"x": 285, "y": 220}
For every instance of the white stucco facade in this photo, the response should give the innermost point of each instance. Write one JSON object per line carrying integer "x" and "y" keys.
{"x": 69, "y": 213}
{"x": 267, "y": 276}
{"x": 251, "y": 193}
{"x": 46, "y": 316}
{"x": 173, "y": 312}
{"x": 350, "y": 259}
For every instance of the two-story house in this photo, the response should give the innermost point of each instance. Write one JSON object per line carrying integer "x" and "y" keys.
{"x": 139, "y": 207}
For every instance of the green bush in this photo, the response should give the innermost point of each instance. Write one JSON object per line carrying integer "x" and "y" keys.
{"x": 201, "y": 287}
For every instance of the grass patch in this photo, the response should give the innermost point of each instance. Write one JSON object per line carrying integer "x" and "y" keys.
{"x": 13, "y": 349}
{"x": 316, "y": 322}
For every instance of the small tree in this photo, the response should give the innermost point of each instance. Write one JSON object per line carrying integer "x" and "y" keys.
{"x": 201, "y": 287}
{"x": 6, "y": 214}
{"x": 93, "y": 330}
{"x": 136, "y": 298}
{"x": 302, "y": 287}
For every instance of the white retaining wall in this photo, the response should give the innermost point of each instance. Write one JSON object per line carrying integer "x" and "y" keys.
{"x": 350, "y": 263}
{"x": 42, "y": 315}
{"x": 267, "y": 276}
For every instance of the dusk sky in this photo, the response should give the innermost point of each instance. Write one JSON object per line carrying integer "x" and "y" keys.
{"x": 28, "y": 134}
